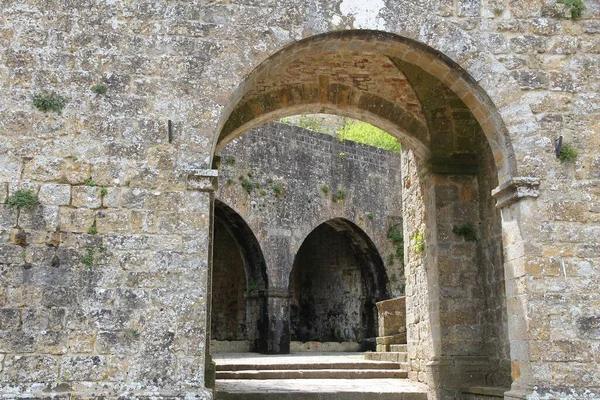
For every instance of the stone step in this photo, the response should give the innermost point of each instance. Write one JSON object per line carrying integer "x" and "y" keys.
{"x": 314, "y": 374}
{"x": 402, "y": 348}
{"x": 388, "y": 356}
{"x": 320, "y": 389}
{"x": 343, "y": 365}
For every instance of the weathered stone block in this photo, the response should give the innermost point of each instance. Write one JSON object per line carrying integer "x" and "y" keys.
{"x": 113, "y": 220}
{"x": 55, "y": 194}
{"x": 10, "y": 168}
{"x": 52, "y": 342}
{"x": 9, "y": 318}
{"x": 119, "y": 342}
{"x": 8, "y": 217}
{"x": 76, "y": 220}
{"x": 86, "y": 196}
{"x": 392, "y": 316}
{"x": 22, "y": 369}
{"x": 83, "y": 368}
{"x": 81, "y": 342}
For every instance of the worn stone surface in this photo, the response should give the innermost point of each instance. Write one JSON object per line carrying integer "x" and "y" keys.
{"x": 525, "y": 70}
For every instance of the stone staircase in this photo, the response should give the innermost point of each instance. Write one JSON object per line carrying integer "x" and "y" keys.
{"x": 300, "y": 376}
{"x": 323, "y": 367}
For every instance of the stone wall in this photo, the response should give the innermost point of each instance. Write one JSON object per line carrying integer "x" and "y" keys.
{"x": 526, "y": 70}
{"x": 301, "y": 163}
{"x": 282, "y": 181}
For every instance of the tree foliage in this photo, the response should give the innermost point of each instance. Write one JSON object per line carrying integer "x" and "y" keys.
{"x": 362, "y": 132}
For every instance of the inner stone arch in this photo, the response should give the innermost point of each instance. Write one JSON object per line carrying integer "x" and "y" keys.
{"x": 239, "y": 314}
{"x": 337, "y": 277}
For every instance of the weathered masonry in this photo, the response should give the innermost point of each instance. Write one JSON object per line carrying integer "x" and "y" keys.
{"x": 290, "y": 262}
{"x": 105, "y": 285}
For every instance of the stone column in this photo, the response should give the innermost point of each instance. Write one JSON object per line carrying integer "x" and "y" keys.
{"x": 422, "y": 304}
{"x": 207, "y": 181}
{"x": 278, "y": 308}
{"x": 514, "y": 198}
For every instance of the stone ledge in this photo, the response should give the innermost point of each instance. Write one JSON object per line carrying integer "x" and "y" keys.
{"x": 516, "y": 189}
{"x": 204, "y": 180}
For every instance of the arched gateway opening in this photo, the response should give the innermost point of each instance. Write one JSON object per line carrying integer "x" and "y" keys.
{"x": 337, "y": 278}
{"x": 238, "y": 317}
{"x": 455, "y": 152}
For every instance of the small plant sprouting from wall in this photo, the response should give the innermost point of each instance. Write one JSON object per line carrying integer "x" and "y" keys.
{"x": 99, "y": 89}
{"x": 229, "y": 160}
{"x": 247, "y": 185}
{"x": 90, "y": 183}
{"x": 103, "y": 191}
{"x": 93, "y": 230}
{"x": 23, "y": 198}
{"x": 418, "y": 242}
{"x": 466, "y": 231}
{"x": 397, "y": 239}
{"x": 277, "y": 189}
{"x": 567, "y": 153}
{"x": 576, "y": 7}
{"x": 88, "y": 258}
{"x": 370, "y": 216}
{"x": 49, "y": 101}
{"x": 325, "y": 189}
{"x": 339, "y": 197}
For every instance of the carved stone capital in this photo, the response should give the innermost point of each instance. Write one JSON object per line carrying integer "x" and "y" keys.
{"x": 204, "y": 180}
{"x": 516, "y": 189}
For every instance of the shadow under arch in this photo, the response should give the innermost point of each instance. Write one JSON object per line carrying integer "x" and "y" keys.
{"x": 239, "y": 114}
{"x": 255, "y": 269}
{"x": 330, "y": 257}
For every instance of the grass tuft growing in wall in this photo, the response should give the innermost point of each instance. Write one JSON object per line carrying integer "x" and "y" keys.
{"x": 99, "y": 89}
{"x": 576, "y": 7}
{"x": 23, "y": 198}
{"x": 567, "y": 153}
{"x": 49, "y": 101}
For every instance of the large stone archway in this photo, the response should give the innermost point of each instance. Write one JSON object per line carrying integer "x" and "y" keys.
{"x": 456, "y": 296}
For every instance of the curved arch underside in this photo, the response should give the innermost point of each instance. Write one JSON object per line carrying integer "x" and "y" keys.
{"x": 337, "y": 278}
{"x": 406, "y": 88}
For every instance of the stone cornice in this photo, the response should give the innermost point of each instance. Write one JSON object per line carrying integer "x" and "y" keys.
{"x": 204, "y": 180}
{"x": 516, "y": 189}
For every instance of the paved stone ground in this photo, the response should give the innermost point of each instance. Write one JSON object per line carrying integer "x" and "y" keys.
{"x": 320, "y": 386}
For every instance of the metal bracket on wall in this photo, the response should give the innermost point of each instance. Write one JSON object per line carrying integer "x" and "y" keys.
{"x": 558, "y": 146}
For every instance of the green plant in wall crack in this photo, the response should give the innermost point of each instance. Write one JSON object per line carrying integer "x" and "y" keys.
{"x": 567, "y": 153}
{"x": 100, "y": 89}
{"x": 88, "y": 258}
{"x": 576, "y": 7}
{"x": 418, "y": 242}
{"x": 339, "y": 197}
{"x": 397, "y": 239}
{"x": 277, "y": 189}
{"x": 229, "y": 160}
{"x": 466, "y": 231}
{"x": 90, "y": 183}
{"x": 325, "y": 189}
{"x": 247, "y": 185}
{"x": 49, "y": 101}
{"x": 23, "y": 198}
